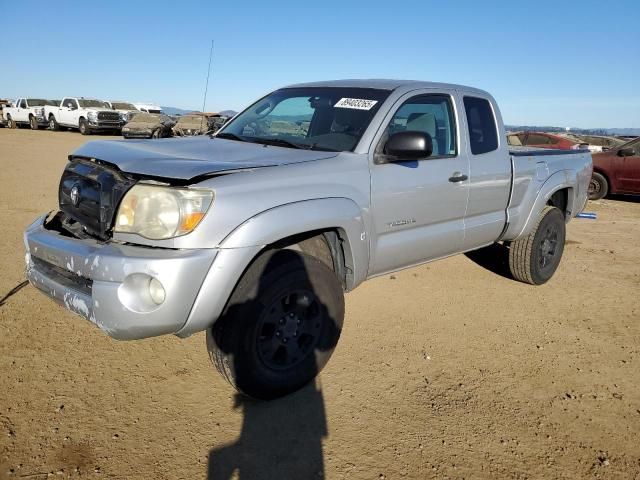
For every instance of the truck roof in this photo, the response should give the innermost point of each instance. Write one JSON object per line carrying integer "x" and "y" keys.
{"x": 385, "y": 84}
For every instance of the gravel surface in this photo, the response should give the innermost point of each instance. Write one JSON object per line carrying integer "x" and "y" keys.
{"x": 448, "y": 370}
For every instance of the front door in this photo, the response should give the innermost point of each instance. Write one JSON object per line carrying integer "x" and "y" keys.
{"x": 68, "y": 111}
{"x": 628, "y": 170}
{"x": 418, "y": 206}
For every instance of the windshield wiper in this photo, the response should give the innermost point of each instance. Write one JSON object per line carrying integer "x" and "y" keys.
{"x": 230, "y": 136}
{"x": 281, "y": 142}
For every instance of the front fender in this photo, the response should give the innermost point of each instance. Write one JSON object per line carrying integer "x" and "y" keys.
{"x": 319, "y": 214}
{"x": 244, "y": 243}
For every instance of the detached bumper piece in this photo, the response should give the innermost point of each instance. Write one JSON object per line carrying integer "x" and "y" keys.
{"x": 129, "y": 292}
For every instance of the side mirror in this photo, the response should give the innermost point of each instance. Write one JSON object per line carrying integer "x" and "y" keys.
{"x": 409, "y": 145}
{"x": 626, "y": 152}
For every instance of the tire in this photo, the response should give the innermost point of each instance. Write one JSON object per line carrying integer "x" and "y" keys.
{"x": 53, "y": 123}
{"x": 598, "y": 186}
{"x": 280, "y": 327}
{"x": 534, "y": 259}
{"x": 157, "y": 133}
{"x": 33, "y": 123}
{"x": 10, "y": 122}
{"x": 84, "y": 127}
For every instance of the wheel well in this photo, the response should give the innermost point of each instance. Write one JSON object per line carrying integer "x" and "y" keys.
{"x": 562, "y": 200}
{"x": 328, "y": 246}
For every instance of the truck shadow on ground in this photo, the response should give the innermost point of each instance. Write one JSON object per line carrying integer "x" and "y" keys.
{"x": 281, "y": 438}
{"x": 494, "y": 258}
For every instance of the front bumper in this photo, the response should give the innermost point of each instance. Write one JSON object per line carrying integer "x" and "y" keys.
{"x": 105, "y": 125}
{"x": 105, "y": 282}
{"x": 137, "y": 133}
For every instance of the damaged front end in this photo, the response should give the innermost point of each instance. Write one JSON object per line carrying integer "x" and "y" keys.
{"x": 128, "y": 291}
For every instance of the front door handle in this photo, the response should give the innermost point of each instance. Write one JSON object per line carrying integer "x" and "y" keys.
{"x": 457, "y": 177}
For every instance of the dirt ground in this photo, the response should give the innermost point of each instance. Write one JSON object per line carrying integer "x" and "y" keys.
{"x": 449, "y": 370}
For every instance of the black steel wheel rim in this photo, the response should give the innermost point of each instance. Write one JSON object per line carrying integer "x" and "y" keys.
{"x": 548, "y": 247}
{"x": 289, "y": 329}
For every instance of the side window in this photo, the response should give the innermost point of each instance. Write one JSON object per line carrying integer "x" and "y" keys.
{"x": 483, "y": 133}
{"x": 71, "y": 103}
{"x": 432, "y": 114}
{"x": 23, "y": 103}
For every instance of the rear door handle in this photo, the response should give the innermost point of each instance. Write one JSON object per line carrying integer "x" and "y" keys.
{"x": 457, "y": 177}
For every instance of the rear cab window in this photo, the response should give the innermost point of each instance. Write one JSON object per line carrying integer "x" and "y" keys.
{"x": 481, "y": 123}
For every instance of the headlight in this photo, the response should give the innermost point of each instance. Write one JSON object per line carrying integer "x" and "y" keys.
{"x": 159, "y": 213}
{"x": 92, "y": 116}
{"x": 39, "y": 112}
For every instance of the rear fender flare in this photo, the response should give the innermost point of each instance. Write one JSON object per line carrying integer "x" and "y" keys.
{"x": 557, "y": 181}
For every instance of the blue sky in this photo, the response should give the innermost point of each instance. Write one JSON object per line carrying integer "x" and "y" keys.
{"x": 547, "y": 63}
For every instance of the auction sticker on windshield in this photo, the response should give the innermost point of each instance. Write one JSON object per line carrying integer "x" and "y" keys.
{"x": 357, "y": 103}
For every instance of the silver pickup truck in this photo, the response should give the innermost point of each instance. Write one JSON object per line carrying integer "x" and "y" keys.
{"x": 253, "y": 235}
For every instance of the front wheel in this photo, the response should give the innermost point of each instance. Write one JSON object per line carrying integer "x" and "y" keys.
{"x": 598, "y": 186}
{"x": 33, "y": 123}
{"x": 84, "y": 127}
{"x": 280, "y": 327}
{"x": 10, "y": 122}
{"x": 157, "y": 133}
{"x": 53, "y": 124}
{"x": 534, "y": 259}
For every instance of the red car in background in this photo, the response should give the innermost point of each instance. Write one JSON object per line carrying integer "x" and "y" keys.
{"x": 543, "y": 140}
{"x": 616, "y": 171}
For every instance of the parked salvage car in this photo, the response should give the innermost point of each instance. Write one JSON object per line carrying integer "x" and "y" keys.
{"x": 191, "y": 124}
{"x": 255, "y": 237}
{"x": 148, "y": 125}
{"x": 86, "y": 114}
{"x": 148, "y": 107}
{"x": 616, "y": 171}
{"x": 3, "y": 103}
{"x": 596, "y": 143}
{"x": 125, "y": 109}
{"x": 544, "y": 140}
{"x": 26, "y": 111}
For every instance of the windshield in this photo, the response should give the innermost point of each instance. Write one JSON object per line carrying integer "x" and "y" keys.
{"x": 37, "y": 102}
{"x": 321, "y": 118}
{"x": 92, "y": 104}
{"x": 122, "y": 106}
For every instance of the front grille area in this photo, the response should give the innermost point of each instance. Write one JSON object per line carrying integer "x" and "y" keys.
{"x": 90, "y": 193}
{"x": 109, "y": 116}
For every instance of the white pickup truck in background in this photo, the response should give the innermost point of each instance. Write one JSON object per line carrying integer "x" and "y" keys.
{"x": 86, "y": 114}
{"x": 26, "y": 111}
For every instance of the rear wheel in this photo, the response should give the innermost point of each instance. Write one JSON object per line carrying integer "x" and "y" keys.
{"x": 281, "y": 325}
{"x": 33, "y": 123}
{"x": 534, "y": 259}
{"x": 598, "y": 186}
{"x": 10, "y": 122}
{"x": 53, "y": 124}
{"x": 84, "y": 127}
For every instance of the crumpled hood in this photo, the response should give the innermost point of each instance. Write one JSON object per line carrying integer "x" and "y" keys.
{"x": 187, "y": 158}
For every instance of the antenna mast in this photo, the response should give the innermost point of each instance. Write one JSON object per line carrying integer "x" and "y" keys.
{"x": 206, "y": 86}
